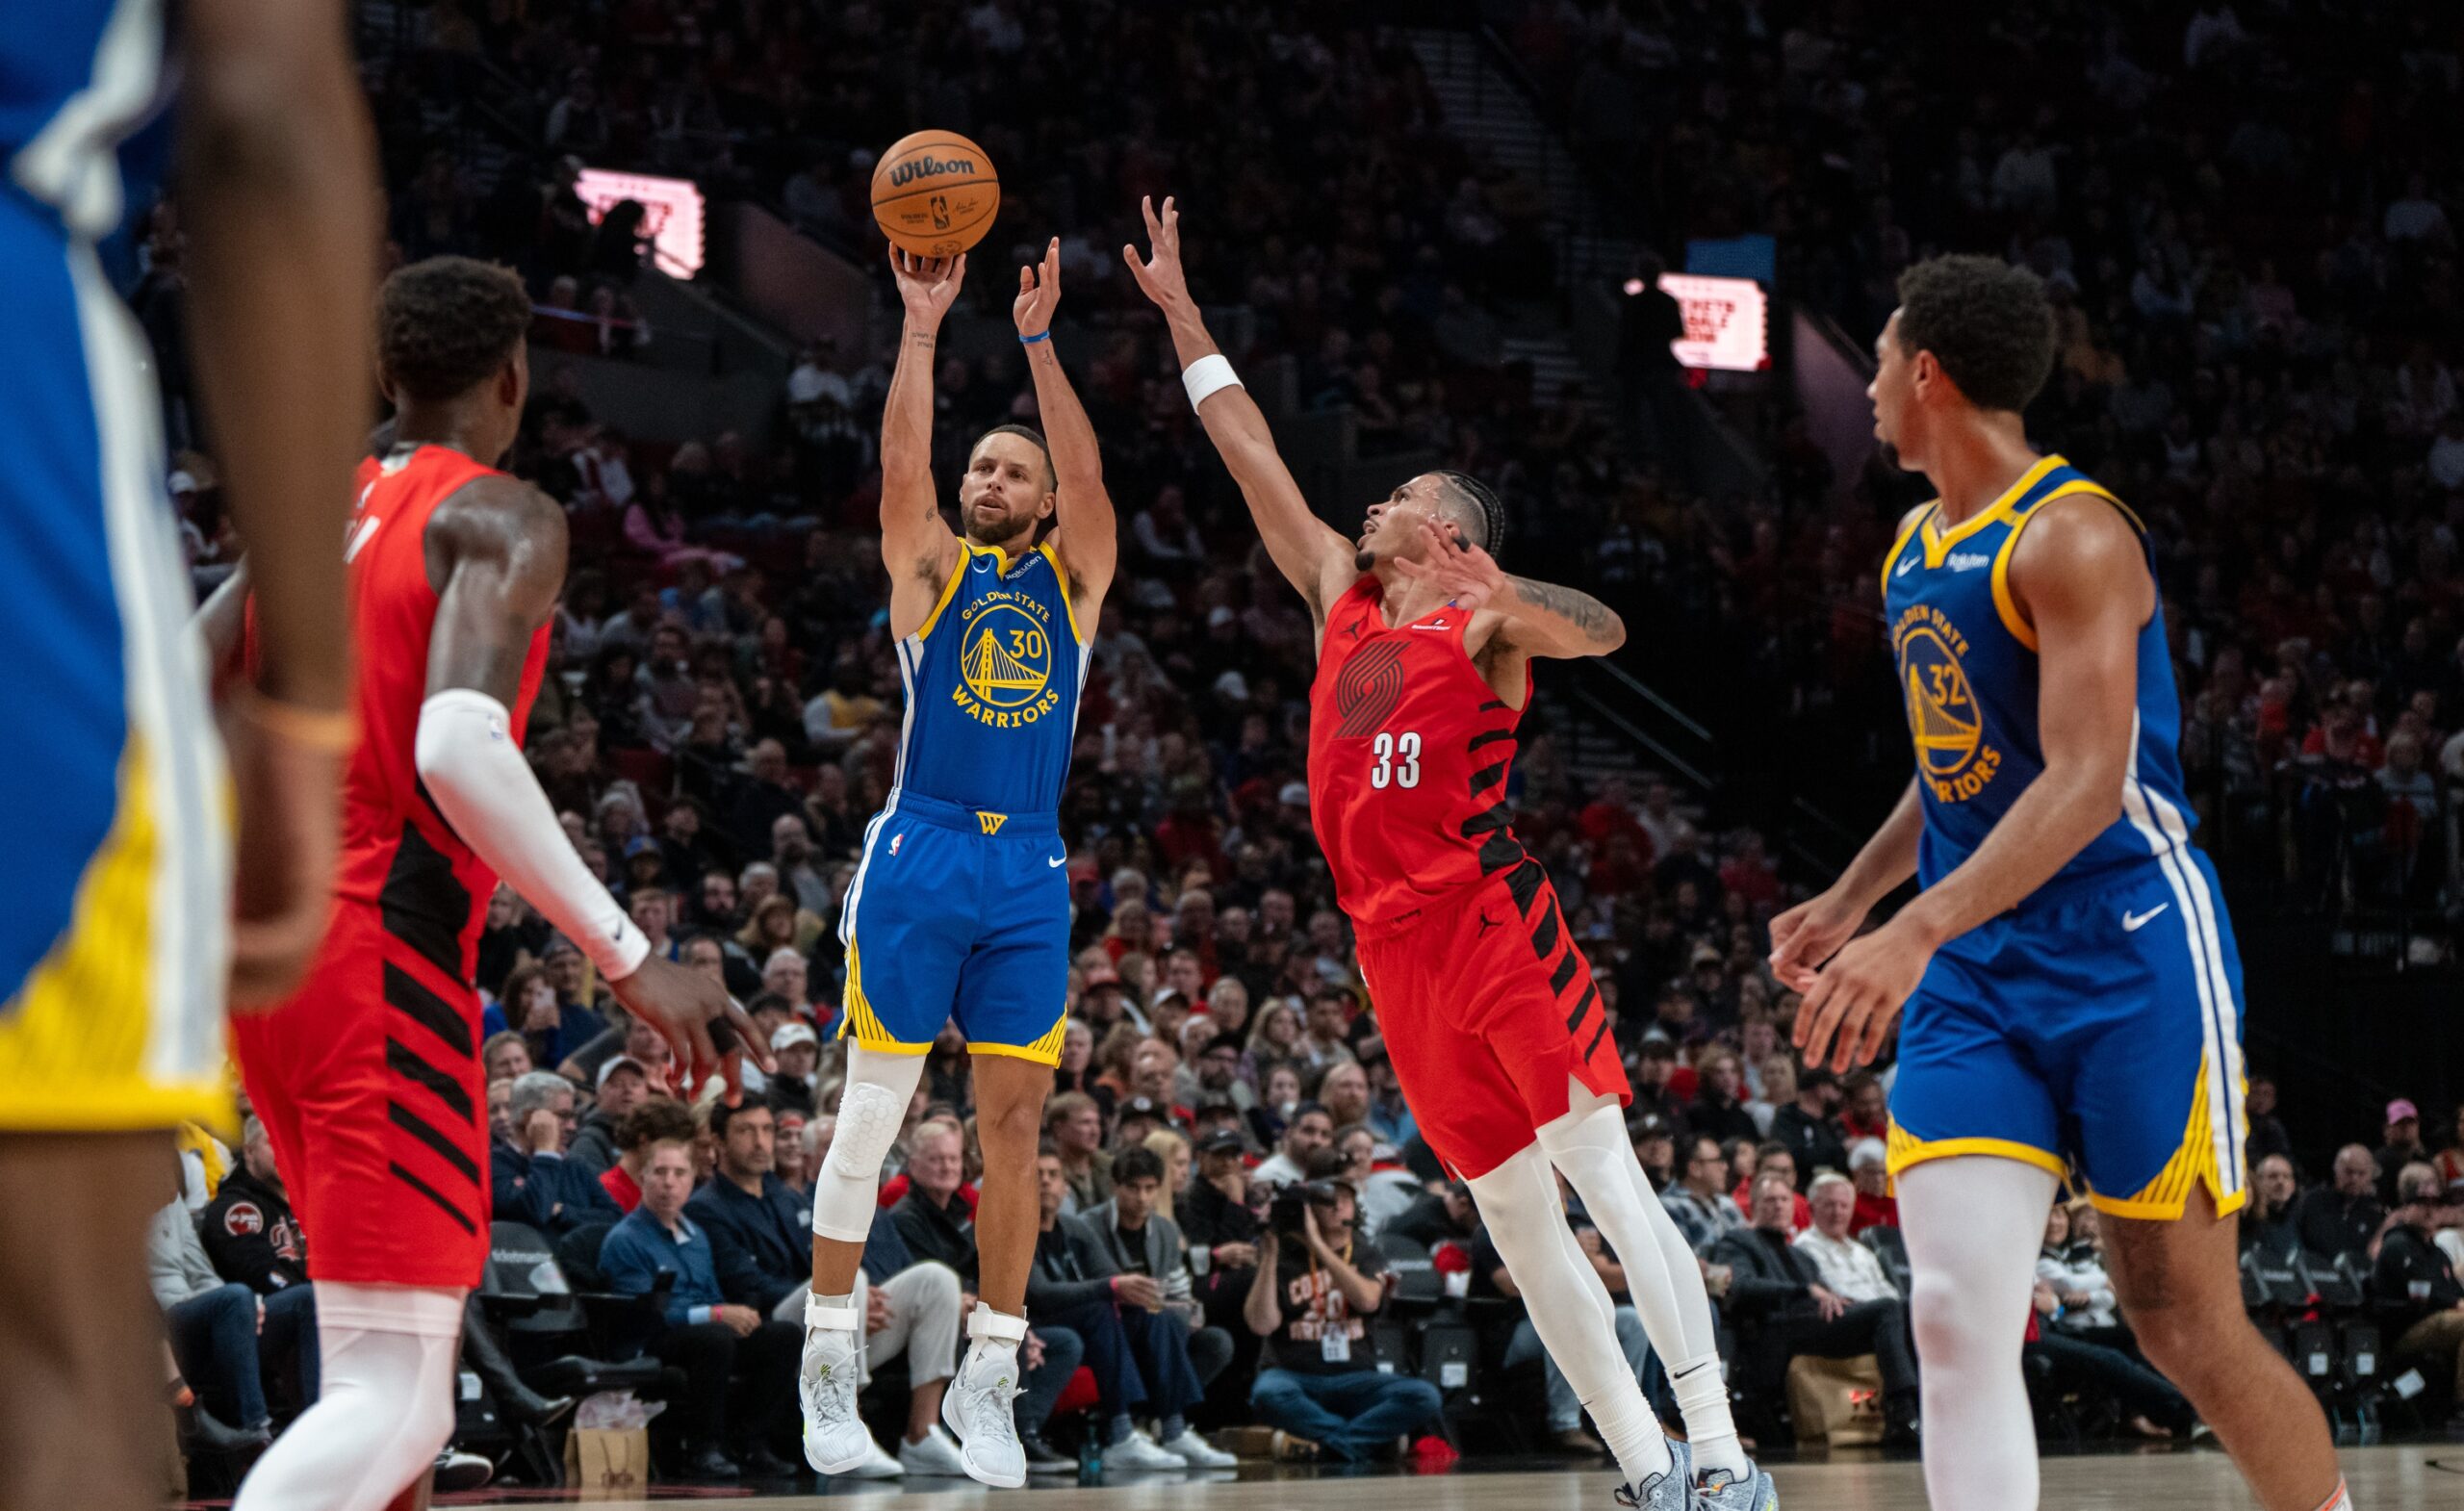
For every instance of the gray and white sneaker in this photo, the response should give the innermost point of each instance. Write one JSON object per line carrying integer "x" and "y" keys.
{"x": 1197, "y": 1452}
{"x": 836, "y": 1442}
{"x": 1717, "y": 1490}
{"x": 1673, "y": 1490}
{"x": 976, "y": 1409}
{"x": 936, "y": 1453}
{"x": 1139, "y": 1452}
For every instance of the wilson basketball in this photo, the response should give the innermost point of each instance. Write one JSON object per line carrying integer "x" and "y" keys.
{"x": 934, "y": 194}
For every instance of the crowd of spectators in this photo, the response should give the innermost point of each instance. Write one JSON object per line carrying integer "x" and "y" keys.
{"x": 721, "y": 716}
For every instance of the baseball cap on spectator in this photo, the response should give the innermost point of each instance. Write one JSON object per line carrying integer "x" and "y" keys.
{"x": 1648, "y": 1126}
{"x": 1294, "y": 794}
{"x": 1142, "y": 1107}
{"x": 621, "y": 1062}
{"x": 2400, "y": 1111}
{"x": 1224, "y": 1141}
{"x": 639, "y": 844}
{"x": 793, "y": 1033}
{"x": 1866, "y": 1151}
{"x": 558, "y": 944}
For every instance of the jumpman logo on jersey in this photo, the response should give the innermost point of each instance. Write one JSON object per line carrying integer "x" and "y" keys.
{"x": 1355, "y": 628}
{"x": 1487, "y": 924}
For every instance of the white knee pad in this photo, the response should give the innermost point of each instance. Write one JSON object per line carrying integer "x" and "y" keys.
{"x": 870, "y": 1111}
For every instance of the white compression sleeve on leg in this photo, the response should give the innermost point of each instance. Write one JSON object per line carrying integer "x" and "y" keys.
{"x": 466, "y": 757}
{"x": 1974, "y": 1224}
{"x": 1661, "y": 1273}
{"x": 1568, "y": 1307}
{"x": 385, "y": 1407}
{"x": 870, "y": 1113}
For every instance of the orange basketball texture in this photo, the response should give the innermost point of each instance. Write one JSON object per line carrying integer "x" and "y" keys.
{"x": 934, "y": 194}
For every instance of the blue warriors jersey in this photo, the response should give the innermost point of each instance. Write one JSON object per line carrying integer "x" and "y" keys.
{"x": 959, "y": 909}
{"x": 1967, "y": 671}
{"x": 993, "y": 684}
{"x": 113, "y": 947}
{"x": 2096, "y": 1026}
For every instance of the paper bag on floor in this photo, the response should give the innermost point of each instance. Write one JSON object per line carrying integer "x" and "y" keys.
{"x": 600, "y": 1458}
{"x": 1838, "y": 1401}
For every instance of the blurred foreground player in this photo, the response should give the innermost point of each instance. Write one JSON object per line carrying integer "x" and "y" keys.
{"x": 120, "y": 934}
{"x": 1484, "y": 999}
{"x": 2072, "y": 989}
{"x": 368, "y": 1079}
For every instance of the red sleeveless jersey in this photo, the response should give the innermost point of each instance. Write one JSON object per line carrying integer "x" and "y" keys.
{"x": 1408, "y": 751}
{"x": 399, "y": 855}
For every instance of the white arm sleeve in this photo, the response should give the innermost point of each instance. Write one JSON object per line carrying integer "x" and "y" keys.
{"x": 466, "y": 755}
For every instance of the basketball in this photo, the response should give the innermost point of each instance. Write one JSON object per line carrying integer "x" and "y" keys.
{"x": 934, "y": 194}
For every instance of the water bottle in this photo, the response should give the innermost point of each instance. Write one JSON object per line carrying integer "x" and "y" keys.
{"x": 1091, "y": 1449}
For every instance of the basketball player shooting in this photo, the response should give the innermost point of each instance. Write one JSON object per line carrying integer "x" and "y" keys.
{"x": 960, "y": 906}
{"x": 368, "y": 1078}
{"x": 2073, "y": 995}
{"x": 1486, "y": 1000}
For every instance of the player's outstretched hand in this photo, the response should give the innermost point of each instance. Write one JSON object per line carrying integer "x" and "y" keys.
{"x": 694, "y": 1013}
{"x": 927, "y": 286}
{"x": 1038, "y": 292}
{"x": 1160, "y": 277}
{"x": 1856, "y": 997}
{"x": 1809, "y": 933}
{"x": 1466, "y": 573}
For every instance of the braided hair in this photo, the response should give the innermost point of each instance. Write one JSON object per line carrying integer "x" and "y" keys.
{"x": 1480, "y": 501}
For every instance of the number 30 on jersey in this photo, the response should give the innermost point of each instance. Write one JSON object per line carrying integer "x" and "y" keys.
{"x": 1398, "y": 759}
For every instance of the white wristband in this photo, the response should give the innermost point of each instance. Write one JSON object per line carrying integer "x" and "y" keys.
{"x": 1206, "y": 375}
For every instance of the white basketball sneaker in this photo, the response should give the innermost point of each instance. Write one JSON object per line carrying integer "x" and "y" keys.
{"x": 1197, "y": 1452}
{"x": 836, "y": 1442}
{"x": 976, "y": 1407}
{"x": 1673, "y": 1490}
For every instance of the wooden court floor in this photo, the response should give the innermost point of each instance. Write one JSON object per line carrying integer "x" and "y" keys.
{"x": 2416, "y": 1478}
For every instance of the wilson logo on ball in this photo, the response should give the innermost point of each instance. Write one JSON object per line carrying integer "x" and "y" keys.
{"x": 928, "y": 166}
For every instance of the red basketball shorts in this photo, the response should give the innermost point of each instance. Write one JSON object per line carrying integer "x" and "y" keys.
{"x": 367, "y": 1081}
{"x": 1488, "y": 1008}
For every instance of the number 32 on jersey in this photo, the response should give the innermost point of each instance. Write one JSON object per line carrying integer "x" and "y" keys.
{"x": 1398, "y": 759}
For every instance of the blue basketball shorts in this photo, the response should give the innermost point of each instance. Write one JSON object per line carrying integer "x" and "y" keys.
{"x": 959, "y": 915}
{"x": 2100, "y": 1032}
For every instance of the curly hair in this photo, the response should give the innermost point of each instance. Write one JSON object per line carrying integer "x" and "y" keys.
{"x": 1477, "y": 505}
{"x": 447, "y": 324}
{"x": 1987, "y": 323}
{"x": 662, "y": 1119}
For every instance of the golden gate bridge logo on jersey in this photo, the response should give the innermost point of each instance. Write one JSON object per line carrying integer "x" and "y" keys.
{"x": 1006, "y": 670}
{"x": 1952, "y": 755}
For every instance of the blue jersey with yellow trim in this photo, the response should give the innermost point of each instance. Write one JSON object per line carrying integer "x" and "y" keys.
{"x": 993, "y": 684}
{"x": 1968, "y": 674}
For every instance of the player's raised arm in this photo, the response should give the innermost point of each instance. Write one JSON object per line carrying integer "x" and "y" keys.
{"x": 1311, "y": 555}
{"x": 1085, "y": 528}
{"x": 916, "y": 547}
{"x": 496, "y": 551}
{"x": 1532, "y": 617}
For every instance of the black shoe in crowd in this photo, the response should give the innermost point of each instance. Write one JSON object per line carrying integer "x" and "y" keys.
{"x": 708, "y": 1465}
{"x": 1043, "y": 1458}
{"x": 210, "y": 1433}
{"x": 757, "y": 1462}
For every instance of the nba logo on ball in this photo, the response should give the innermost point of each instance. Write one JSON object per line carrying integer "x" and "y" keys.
{"x": 934, "y": 194}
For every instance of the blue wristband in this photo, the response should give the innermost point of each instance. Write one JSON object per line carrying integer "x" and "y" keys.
{"x": 1029, "y": 340}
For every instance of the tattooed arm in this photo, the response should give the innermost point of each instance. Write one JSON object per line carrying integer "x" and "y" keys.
{"x": 1511, "y": 613}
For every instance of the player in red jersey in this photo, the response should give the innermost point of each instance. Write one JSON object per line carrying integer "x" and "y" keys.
{"x": 368, "y": 1078}
{"x": 1484, "y": 998}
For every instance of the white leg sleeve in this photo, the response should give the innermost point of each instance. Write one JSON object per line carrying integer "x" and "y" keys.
{"x": 1973, "y": 1225}
{"x": 870, "y": 1110}
{"x": 1663, "y": 1275}
{"x": 384, "y": 1410}
{"x": 1569, "y": 1306}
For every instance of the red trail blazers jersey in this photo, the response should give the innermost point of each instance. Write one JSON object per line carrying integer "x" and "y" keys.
{"x": 1408, "y": 751}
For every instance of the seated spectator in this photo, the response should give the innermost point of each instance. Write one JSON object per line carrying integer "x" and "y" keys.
{"x": 1141, "y": 1239}
{"x": 1564, "y": 1409}
{"x": 224, "y": 1335}
{"x": 1847, "y": 1267}
{"x": 1870, "y": 1166}
{"x": 623, "y": 1083}
{"x": 662, "y": 1119}
{"x": 531, "y": 1179}
{"x": 2154, "y": 1407}
{"x": 1221, "y": 1228}
{"x": 1804, "y": 1124}
{"x": 2420, "y": 1306}
{"x": 2343, "y": 1217}
{"x": 796, "y": 1050}
{"x": 1699, "y": 1203}
{"x": 1383, "y": 1194}
{"x": 1446, "y": 1215}
{"x": 1654, "y": 1063}
{"x": 761, "y": 1235}
{"x": 1772, "y": 1158}
{"x": 248, "y": 1230}
{"x": 2398, "y": 1147}
{"x": 1863, "y": 1110}
{"x": 506, "y": 1055}
{"x": 1782, "y": 1309}
{"x": 1655, "y": 1150}
{"x": 2450, "y": 1162}
{"x": 2072, "y": 1264}
{"x": 1076, "y": 1125}
{"x": 1390, "y": 1116}
{"x": 934, "y": 1219}
{"x": 1321, "y": 1391}
{"x": 2268, "y": 1134}
{"x": 2268, "y": 1225}
{"x": 1310, "y": 1129}
{"x": 1138, "y": 1350}
{"x": 1718, "y": 1109}
{"x": 738, "y": 1365}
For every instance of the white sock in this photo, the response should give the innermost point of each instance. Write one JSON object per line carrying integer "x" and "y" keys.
{"x": 2341, "y": 1500}
{"x": 1663, "y": 1275}
{"x": 1974, "y": 1224}
{"x": 384, "y": 1409}
{"x": 1568, "y": 1307}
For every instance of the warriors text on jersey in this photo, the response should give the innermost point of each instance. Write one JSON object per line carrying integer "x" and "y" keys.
{"x": 115, "y": 946}
{"x": 1486, "y": 1000}
{"x": 960, "y": 906}
{"x": 368, "y": 1077}
{"x": 2097, "y": 1024}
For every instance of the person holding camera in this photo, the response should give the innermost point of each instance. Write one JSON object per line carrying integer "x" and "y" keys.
{"x": 1314, "y": 1293}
